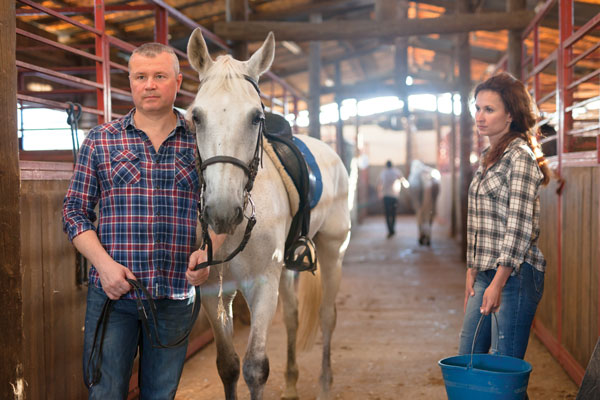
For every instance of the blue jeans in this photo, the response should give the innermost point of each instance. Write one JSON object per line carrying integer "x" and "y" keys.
{"x": 520, "y": 297}
{"x": 159, "y": 369}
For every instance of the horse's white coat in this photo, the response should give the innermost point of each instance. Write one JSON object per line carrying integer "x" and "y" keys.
{"x": 424, "y": 184}
{"x": 222, "y": 115}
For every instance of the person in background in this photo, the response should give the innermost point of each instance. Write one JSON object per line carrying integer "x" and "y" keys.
{"x": 386, "y": 189}
{"x": 505, "y": 268}
{"x": 140, "y": 171}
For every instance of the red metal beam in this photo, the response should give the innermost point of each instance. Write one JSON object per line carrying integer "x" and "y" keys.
{"x": 535, "y": 22}
{"x": 59, "y": 15}
{"x": 54, "y": 104}
{"x": 161, "y": 26}
{"x": 56, "y": 44}
{"x": 80, "y": 10}
{"x": 63, "y": 77}
{"x": 582, "y": 31}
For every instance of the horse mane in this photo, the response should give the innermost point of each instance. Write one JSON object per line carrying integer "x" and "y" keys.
{"x": 226, "y": 74}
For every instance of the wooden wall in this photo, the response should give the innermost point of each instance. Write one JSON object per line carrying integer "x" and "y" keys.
{"x": 53, "y": 302}
{"x": 567, "y": 319}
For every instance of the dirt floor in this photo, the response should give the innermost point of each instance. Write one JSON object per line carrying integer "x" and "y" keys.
{"x": 399, "y": 312}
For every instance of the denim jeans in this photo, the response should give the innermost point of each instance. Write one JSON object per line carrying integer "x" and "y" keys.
{"x": 159, "y": 369}
{"x": 389, "y": 205}
{"x": 520, "y": 297}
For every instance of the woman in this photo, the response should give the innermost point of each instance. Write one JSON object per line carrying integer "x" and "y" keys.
{"x": 505, "y": 272}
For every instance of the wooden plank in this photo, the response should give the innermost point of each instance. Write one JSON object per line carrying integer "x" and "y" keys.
{"x": 363, "y": 29}
{"x": 64, "y": 300}
{"x": 547, "y": 309}
{"x": 578, "y": 336}
{"x": 11, "y": 291}
{"x": 33, "y": 292}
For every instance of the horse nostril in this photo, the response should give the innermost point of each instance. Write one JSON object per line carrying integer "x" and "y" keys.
{"x": 239, "y": 215}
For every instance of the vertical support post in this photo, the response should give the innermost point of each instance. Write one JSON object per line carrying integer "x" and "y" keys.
{"x": 339, "y": 126}
{"x": 11, "y": 284}
{"x": 399, "y": 11}
{"x": 314, "y": 74}
{"x": 237, "y": 10}
{"x": 454, "y": 189}
{"x": 466, "y": 124}
{"x": 295, "y": 103}
{"x": 514, "y": 40}
{"x": 161, "y": 25}
{"x": 536, "y": 61}
{"x": 438, "y": 130}
{"x": 103, "y": 101}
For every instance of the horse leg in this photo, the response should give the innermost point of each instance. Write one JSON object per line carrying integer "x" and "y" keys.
{"x": 330, "y": 254}
{"x": 290, "y": 317}
{"x": 262, "y": 300}
{"x": 228, "y": 362}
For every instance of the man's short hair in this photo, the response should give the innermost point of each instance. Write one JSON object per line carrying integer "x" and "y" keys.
{"x": 152, "y": 50}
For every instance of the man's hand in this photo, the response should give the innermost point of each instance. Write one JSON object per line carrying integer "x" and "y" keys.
{"x": 200, "y": 276}
{"x": 113, "y": 277}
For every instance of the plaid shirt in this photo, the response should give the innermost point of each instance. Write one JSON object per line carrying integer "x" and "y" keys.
{"x": 147, "y": 202}
{"x": 504, "y": 212}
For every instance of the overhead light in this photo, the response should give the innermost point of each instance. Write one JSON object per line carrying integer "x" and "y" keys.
{"x": 39, "y": 87}
{"x": 329, "y": 82}
{"x": 292, "y": 47}
{"x": 409, "y": 80}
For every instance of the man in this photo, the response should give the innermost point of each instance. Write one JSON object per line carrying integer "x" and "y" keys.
{"x": 387, "y": 178}
{"x": 140, "y": 171}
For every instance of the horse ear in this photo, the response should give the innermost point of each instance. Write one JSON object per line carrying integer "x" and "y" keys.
{"x": 197, "y": 52}
{"x": 261, "y": 61}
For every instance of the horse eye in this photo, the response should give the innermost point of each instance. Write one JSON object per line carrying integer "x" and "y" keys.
{"x": 197, "y": 117}
{"x": 257, "y": 119}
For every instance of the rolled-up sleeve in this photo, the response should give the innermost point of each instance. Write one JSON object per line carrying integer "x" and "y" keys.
{"x": 82, "y": 194}
{"x": 524, "y": 182}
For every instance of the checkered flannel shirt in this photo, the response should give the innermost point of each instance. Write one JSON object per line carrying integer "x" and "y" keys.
{"x": 503, "y": 222}
{"x": 147, "y": 202}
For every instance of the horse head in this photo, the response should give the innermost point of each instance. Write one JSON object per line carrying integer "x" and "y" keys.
{"x": 227, "y": 116}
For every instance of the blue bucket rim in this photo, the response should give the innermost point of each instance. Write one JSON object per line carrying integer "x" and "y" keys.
{"x": 443, "y": 365}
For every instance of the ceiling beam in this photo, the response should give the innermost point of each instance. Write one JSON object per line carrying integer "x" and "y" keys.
{"x": 353, "y": 30}
{"x": 278, "y": 10}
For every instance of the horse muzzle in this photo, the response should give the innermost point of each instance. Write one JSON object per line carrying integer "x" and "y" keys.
{"x": 223, "y": 220}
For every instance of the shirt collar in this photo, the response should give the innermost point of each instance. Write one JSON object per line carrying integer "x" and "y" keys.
{"x": 181, "y": 124}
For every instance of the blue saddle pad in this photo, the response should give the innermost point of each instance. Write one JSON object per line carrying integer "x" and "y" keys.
{"x": 315, "y": 181}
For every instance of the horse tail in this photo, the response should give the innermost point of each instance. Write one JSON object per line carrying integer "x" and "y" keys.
{"x": 310, "y": 293}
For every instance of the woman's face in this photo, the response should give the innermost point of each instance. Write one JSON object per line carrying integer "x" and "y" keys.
{"x": 491, "y": 118}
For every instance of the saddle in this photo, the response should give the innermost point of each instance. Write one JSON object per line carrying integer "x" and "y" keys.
{"x": 300, "y": 252}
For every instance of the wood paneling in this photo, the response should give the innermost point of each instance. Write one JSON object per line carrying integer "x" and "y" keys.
{"x": 53, "y": 303}
{"x": 547, "y": 309}
{"x": 11, "y": 274}
{"x": 580, "y": 264}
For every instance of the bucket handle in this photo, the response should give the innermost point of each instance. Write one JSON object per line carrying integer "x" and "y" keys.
{"x": 477, "y": 333}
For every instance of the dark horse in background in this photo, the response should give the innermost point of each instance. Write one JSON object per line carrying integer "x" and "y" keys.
{"x": 424, "y": 184}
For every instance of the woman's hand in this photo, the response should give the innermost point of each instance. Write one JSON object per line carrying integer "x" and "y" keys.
{"x": 469, "y": 291}
{"x": 492, "y": 296}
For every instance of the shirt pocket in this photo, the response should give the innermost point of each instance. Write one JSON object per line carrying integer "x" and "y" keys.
{"x": 125, "y": 168}
{"x": 491, "y": 185}
{"x": 186, "y": 176}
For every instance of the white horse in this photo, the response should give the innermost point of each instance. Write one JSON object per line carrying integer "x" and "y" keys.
{"x": 424, "y": 186}
{"x": 226, "y": 115}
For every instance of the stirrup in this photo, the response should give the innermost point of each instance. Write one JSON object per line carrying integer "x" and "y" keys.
{"x": 302, "y": 256}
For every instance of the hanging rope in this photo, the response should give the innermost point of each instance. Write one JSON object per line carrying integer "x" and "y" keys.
{"x": 73, "y": 117}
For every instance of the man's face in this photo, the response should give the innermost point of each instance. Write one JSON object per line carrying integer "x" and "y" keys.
{"x": 154, "y": 83}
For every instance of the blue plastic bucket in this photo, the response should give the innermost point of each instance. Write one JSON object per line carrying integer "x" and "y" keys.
{"x": 485, "y": 376}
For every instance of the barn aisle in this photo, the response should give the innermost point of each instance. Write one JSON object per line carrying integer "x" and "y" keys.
{"x": 399, "y": 312}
